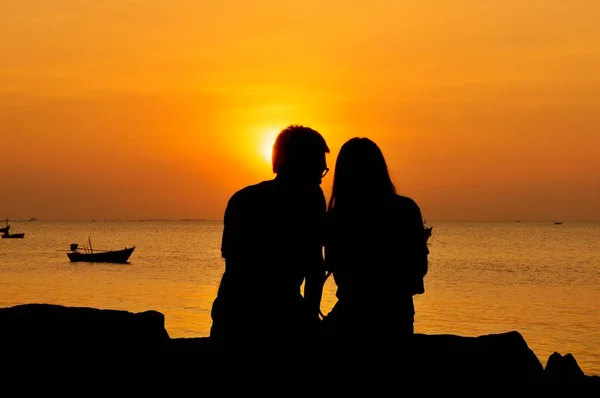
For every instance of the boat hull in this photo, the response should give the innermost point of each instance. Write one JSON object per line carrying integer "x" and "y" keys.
{"x": 13, "y": 236}
{"x": 111, "y": 256}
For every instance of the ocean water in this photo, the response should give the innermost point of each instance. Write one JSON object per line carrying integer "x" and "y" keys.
{"x": 538, "y": 278}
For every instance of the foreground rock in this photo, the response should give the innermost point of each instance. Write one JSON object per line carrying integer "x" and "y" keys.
{"x": 40, "y": 336}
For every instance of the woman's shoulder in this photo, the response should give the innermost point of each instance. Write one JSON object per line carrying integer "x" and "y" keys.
{"x": 405, "y": 202}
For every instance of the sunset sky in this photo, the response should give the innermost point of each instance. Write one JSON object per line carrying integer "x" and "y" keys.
{"x": 125, "y": 109}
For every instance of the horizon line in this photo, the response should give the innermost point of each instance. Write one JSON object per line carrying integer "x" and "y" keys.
{"x": 220, "y": 219}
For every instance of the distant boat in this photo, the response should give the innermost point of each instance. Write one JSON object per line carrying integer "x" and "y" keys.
{"x": 88, "y": 254}
{"x": 428, "y": 232}
{"x": 557, "y": 222}
{"x": 7, "y": 235}
{"x": 427, "y": 229}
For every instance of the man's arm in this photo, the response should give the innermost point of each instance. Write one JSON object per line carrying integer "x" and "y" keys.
{"x": 313, "y": 287}
{"x": 315, "y": 275}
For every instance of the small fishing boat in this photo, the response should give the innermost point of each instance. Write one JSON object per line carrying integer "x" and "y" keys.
{"x": 7, "y": 235}
{"x": 428, "y": 231}
{"x": 88, "y": 254}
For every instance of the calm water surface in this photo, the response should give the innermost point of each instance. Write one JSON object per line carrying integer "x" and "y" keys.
{"x": 540, "y": 279}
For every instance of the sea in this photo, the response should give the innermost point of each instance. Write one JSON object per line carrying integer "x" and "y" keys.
{"x": 538, "y": 278}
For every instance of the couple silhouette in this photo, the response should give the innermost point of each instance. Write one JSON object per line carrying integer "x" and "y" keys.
{"x": 281, "y": 239}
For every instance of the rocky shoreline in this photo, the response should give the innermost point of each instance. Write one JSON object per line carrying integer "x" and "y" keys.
{"x": 105, "y": 340}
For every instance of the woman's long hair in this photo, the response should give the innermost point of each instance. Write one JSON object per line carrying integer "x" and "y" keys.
{"x": 361, "y": 174}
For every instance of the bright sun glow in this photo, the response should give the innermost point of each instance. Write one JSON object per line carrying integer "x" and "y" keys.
{"x": 267, "y": 141}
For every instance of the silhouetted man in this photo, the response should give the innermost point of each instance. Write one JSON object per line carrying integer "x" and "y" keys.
{"x": 272, "y": 244}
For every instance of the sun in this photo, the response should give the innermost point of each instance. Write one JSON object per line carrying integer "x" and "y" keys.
{"x": 266, "y": 144}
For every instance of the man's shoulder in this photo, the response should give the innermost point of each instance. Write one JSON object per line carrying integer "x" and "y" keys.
{"x": 251, "y": 191}
{"x": 255, "y": 188}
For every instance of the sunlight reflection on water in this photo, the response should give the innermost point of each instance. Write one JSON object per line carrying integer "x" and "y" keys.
{"x": 537, "y": 278}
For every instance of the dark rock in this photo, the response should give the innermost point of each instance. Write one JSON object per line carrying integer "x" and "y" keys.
{"x": 110, "y": 344}
{"x": 495, "y": 358}
{"x": 43, "y": 330}
{"x": 563, "y": 370}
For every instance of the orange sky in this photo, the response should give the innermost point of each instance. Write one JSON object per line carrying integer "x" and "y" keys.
{"x": 124, "y": 109}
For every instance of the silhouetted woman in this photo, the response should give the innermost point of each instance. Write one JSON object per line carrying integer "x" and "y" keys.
{"x": 375, "y": 248}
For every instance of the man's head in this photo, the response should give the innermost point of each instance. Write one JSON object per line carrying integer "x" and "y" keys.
{"x": 299, "y": 153}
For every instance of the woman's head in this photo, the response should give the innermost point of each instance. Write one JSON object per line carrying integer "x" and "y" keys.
{"x": 361, "y": 172}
